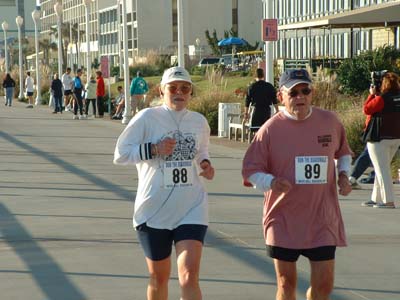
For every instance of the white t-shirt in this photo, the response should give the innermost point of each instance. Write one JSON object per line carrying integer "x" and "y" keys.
{"x": 29, "y": 84}
{"x": 156, "y": 204}
{"x": 66, "y": 80}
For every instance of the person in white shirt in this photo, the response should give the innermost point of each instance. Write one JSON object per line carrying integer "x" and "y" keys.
{"x": 169, "y": 146}
{"x": 30, "y": 89}
{"x": 67, "y": 82}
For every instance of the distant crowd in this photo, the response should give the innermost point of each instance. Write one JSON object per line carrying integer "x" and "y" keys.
{"x": 69, "y": 93}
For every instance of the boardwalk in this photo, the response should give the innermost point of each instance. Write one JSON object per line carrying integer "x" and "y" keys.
{"x": 65, "y": 222}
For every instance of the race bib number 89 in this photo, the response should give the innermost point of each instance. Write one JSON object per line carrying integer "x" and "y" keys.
{"x": 311, "y": 169}
{"x": 178, "y": 174}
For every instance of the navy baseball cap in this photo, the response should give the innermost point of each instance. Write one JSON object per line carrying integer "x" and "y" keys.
{"x": 290, "y": 78}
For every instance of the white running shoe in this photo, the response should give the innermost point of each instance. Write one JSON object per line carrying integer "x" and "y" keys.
{"x": 75, "y": 117}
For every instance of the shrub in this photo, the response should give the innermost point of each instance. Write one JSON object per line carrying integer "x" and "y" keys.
{"x": 353, "y": 121}
{"x": 354, "y": 73}
{"x": 207, "y": 105}
{"x": 326, "y": 89}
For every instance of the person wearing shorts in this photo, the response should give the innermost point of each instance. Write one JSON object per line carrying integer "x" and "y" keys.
{"x": 30, "y": 89}
{"x": 68, "y": 84}
{"x": 169, "y": 146}
{"x": 292, "y": 160}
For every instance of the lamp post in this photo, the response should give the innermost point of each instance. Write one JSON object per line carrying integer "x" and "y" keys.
{"x": 181, "y": 50}
{"x": 88, "y": 66}
{"x": 128, "y": 99}
{"x": 19, "y": 20}
{"x": 198, "y": 44}
{"x": 58, "y": 10}
{"x": 119, "y": 38}
{"x": 269, "y": 57}
{"x": 4, "y": 25}
{"x": 36, "y": 18}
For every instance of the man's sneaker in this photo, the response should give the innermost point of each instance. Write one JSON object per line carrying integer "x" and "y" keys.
{"x": 85, "y": 116}
{"x": 369, "y": 203}
{"x": 75, "y": 117}
{"x": 354, "y": 184}
{"x": 385, "y": 205}
{"x": 29, "y": 106}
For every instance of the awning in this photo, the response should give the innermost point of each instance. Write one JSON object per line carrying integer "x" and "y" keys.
{"x": 379, "y": 15}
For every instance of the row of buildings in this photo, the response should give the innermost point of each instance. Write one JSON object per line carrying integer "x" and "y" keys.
{"x": 307, "y": 28}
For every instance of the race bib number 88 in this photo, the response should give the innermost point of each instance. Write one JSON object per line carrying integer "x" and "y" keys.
{"x": 178, "y": 174}
{"x": 311, "y": 169}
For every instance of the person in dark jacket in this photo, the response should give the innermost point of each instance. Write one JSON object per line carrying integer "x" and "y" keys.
{"x": 261, "y": 95}
{"x": 383, "y": 104}
{"x": 56, "y": 91}
{"x": 8, "y": 85}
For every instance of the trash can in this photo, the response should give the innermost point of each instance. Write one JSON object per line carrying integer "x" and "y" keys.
{"x": 223, "y": 121}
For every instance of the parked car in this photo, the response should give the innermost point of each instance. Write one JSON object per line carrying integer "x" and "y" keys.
{"x": 209, "y": 61}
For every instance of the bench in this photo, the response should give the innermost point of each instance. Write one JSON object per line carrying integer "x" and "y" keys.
{"x": 237, "y": 124}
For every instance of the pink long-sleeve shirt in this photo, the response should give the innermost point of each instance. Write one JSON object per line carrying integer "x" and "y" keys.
{"x": 308, "y": 216}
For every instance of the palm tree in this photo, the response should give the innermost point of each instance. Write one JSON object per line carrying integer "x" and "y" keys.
{"x": 46, "y": 46}
{"x": 65, "y": 36}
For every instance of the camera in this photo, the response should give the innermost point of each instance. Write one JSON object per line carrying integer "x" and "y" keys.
{"x": 376, "y": 78}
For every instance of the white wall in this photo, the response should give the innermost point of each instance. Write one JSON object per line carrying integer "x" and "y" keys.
{"x": 250, "y": 16}
{"x": 154, "y": 23}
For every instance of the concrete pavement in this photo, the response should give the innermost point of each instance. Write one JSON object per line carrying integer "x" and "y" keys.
{"x": 65, "y": 222}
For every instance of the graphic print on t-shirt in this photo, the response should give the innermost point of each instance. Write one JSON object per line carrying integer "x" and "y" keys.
{"x": 185, "y": 148}
{"x": 179, "y": 168}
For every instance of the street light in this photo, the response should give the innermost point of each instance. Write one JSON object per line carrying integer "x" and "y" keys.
{"x": 36, "y": 19}
{"x": 4, "y": 25}
{"x": 19, "y": 20}
{"x": 181, "y": 50}
{"x": 119, "y": 38}
{"x": 88, "y": 66}
{"x": 198, "y": 44}
{"x": 58, "y": 10}
{"x": 128, "y": 98}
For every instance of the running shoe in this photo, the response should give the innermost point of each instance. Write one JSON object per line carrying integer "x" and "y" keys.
{"x": 369, "y": 203}
{"x": 384, "y": 205}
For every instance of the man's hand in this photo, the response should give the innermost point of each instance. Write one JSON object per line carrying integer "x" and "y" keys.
{"x": 280, "y": 185}
{"x": 344, "y": 184}
{"x": 207, "y": 170}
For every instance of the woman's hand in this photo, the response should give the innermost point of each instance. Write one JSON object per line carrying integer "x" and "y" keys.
{"x": 207, "y": 170}
{"x": 166, "y": 146}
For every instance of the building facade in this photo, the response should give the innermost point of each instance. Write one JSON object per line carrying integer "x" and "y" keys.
{"x": 152, "y": 25}
{"x": 73, "y": 29}
{"x": 334, "y": 29}
{"x": 10, "y": 9}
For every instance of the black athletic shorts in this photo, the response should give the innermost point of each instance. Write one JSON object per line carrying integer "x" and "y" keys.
{"x": 291, "y": 255}
{"x": 157, "y": 243}
{"x": 67, "y": 92}
{"x": 29, "y": 93}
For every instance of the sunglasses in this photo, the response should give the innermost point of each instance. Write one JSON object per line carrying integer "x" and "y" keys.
{"x": 185, "y": 88}
{"x": 294, "y": 93}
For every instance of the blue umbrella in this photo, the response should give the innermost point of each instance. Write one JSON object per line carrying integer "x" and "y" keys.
{"x": 232, "y": 41}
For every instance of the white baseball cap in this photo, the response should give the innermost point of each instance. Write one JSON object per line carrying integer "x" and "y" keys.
{"x": 175, "y": 74}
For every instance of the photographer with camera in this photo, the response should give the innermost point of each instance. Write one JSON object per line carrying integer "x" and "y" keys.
{"x": 382, "y": 134}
